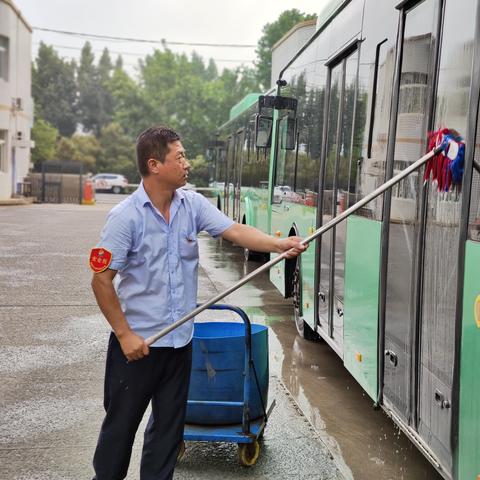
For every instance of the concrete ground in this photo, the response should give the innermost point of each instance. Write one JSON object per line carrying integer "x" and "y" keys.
{"x": 53, "y": 343}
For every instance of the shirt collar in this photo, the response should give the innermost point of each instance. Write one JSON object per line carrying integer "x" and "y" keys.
{"x": 142, "y": 196}
{"x": 144, "y": 199}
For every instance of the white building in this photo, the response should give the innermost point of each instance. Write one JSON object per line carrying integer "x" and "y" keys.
{"x": 16, "y": 105}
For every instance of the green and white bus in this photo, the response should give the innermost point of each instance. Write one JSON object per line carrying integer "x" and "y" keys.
{"x": 240, "y": 170}
{"x": 394, "y": 289}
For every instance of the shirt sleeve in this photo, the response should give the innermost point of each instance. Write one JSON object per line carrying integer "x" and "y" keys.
{"x": 117, "y": 237}
{"x": 210, "y": 218}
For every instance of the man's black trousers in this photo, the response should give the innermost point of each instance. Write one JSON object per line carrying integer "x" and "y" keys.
{"x": 162, "y": 377}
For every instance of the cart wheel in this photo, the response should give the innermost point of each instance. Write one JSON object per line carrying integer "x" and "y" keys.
{"x": 248, "y": 453}
{"x": 181, "y": 452}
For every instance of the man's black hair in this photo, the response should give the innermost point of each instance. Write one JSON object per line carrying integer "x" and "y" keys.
{"x": 153, "y": 143}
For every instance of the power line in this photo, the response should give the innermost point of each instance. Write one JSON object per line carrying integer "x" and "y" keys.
{"x": 68, "y": 47}
{"x": 142, "y": 40}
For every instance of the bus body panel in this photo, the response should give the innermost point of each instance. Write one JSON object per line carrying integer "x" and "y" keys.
{"x": 296, "y": 219}
{"x": 362, "y": 278}
{"x": 469, "y": 428}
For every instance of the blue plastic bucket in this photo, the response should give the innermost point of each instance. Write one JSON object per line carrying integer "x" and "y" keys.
{"x": 218, "y": 364}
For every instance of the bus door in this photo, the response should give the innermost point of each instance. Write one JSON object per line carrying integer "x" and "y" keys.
{"x": 337, "y": 158}
{"x": 423, "y": 226}
{"x": 237, "y": 174}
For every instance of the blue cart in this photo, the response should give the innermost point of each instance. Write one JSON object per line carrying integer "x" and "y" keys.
{"x": 229, "y": 385}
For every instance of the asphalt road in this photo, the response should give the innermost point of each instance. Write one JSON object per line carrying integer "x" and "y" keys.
{"x": 53, "y": 342}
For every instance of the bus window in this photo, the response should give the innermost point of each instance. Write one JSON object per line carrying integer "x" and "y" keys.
{"x": 309, "y": 88}
{"x": 372, "y": 123}
{"x": 285, "y": 167}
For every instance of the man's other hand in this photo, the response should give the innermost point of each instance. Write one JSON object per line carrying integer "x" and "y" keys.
{"x": 133, "y": 346}
{"x": 292, "y": 245}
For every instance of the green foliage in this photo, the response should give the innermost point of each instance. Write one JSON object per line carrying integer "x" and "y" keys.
{"x": 117, "y": 153}
{"x": 199, "y": 173}
{"x": 79, "y": 148}
{"x": 132, "y": 109}
{"x": 183, "y": 92}
{"x": 64, "y": 150}
{"x": 87, "y": 150}
{"x": 105, "y": 69}
{"x": 180, "y": 92}
{"x": 54, "y": 90}
{"x": 272, "y": 33}
{"x": 45, "y": 137}
{"x": 95, "y": 106}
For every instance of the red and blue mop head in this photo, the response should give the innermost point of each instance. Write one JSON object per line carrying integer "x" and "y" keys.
{"x": 446, "y": 168}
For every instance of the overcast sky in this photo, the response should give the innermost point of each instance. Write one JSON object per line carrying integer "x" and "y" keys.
{"x": 193, "y": 21}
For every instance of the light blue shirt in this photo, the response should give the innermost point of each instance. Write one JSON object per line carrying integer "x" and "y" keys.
{"x": 157, "y": 262}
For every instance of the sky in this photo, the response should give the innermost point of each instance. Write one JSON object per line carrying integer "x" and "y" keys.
{"x": 191, "y": 21}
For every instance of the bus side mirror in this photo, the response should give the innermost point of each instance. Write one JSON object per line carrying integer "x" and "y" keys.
{"x": 263, "y": 131}
{"x": 289, "y": 134}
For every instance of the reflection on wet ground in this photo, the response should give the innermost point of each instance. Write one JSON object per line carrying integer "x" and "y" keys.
{"x": 363, "y": 441}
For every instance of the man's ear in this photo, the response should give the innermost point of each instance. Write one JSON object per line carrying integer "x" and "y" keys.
{"x": 152, "y": 165}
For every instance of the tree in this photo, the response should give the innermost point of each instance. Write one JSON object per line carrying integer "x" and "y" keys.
{"x": 45, "y": 137}
{"x": 87, "y": 150}
{"x": 272, "y": 33}
{"x": 117, "y": 153}
{"x": 212, "y": 72}
{"x": 119, "y": 63}
{"x": 95, "y": 105}
{"x": 181, "y": 92}
{"x": 79, "y": 148}
{"x": 105, "y": 70}
{"x": 199, "y": 173}
{"x": 105, "y": 67}
{"x": 133, "y": 110}
{"x": 54, "y": 90}
{"x": 65, "y": 150}
{"x": 174, "y": 88}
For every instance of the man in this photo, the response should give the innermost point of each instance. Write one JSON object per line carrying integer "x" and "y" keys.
{"x": 150, "y": 239}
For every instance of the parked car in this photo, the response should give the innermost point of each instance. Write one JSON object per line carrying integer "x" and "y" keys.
{"x": 110, "y": 182}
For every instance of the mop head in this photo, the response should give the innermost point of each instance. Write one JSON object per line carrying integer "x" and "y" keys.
{"x": 446, "y": 168}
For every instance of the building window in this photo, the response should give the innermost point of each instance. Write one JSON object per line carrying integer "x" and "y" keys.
{"x": 3, "y": 151}
{"x": 4, "y": 58}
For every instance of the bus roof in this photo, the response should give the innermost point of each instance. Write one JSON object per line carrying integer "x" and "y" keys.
{"x": 328, "y": 10}
{"x": 243, "y": 104}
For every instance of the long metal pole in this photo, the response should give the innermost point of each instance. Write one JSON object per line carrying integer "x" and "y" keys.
{"x": 334, "y": 221}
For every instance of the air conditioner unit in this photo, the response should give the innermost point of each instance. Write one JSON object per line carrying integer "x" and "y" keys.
{"x": 20, "y": 140}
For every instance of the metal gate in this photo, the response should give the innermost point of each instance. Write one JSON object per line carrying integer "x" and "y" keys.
{"x": 58, "y": 182}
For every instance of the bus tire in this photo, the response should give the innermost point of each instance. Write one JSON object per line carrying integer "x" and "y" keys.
{"x": 303, "y": 329}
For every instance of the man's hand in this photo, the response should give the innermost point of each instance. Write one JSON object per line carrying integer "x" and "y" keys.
{"x": 133, "y": 346}
{"x": 292, "y": 245}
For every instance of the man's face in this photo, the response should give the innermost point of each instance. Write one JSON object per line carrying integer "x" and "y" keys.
{"x": 174, "y": 170}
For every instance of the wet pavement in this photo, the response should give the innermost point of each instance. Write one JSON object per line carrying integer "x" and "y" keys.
{"x": 53, "y": 342}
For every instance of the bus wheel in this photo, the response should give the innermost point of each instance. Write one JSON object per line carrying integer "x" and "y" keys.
{"x": 303, "y": 329}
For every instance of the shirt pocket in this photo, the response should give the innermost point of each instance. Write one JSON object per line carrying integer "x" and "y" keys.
{"x": 188, "y": 246}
